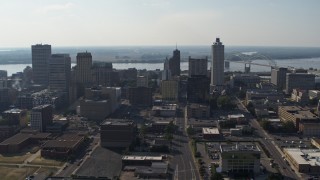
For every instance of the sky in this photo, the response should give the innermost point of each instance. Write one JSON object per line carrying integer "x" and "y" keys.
{"x": 159, "y": 22}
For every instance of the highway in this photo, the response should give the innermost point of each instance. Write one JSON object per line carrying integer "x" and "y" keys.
{"x": 183, "y": 161}
{"x": 269, "y": 144}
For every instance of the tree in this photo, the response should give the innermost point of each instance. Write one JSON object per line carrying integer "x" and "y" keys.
{"x": 169, "y": 130}
{"x": 225, "y": 103}
{"x": 217, "y": 176}
{"x": 190, "y": 131}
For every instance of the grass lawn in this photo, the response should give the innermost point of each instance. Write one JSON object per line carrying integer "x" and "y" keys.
{"x": 13, "y": 158}
{"x": 48, "y": 162}
{"x": 47, "y": 171}
{"x": 9, "y": 173}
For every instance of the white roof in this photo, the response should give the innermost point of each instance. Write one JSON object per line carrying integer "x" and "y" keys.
{"x": 210, "y": 131}
{"x": 305, "y": 156}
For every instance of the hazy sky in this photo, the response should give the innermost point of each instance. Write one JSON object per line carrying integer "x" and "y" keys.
{"x": 159, "y": 22}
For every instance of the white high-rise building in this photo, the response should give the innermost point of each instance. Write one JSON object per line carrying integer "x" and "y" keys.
{"x": 40, "y": 56}
{"x": 217, "y": 66}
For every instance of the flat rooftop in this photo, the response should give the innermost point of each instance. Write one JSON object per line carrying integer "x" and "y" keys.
{"x": 21, "y": 137}
{"x": 236, "y": 116}
{"x": 64, "y": 141}
{"x": 13, "y": 111}
{"x": 210, "y": 131}
{"x": 305, "y": 156}
{"x": 196, "y": 105}
{"x": 171, "y": 107}
{"x": 117, "y": 122}
{"x": 142, "y": 158}
{"x": 239, "y": 147}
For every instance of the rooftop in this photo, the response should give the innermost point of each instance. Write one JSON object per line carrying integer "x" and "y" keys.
{"x": 172, "y": 107}
{"x": 21, "y": 137}
{"x": 64, "y": 141}
{"x": 239, "y": 147}
{"x": 117, "y": 122}
{"x": 142, "y": 158}
{"x": 304, "y": 156}
{"x": 15, "y": 111}
{"x": 210, "y": 131}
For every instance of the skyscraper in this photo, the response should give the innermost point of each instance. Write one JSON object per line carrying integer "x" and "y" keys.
{"x": 40, "y": 56}
{"x": 59, "y": 72}
{"x": 217, "y": 66}
{"x": 198, "y": 66}
{"x": 84, "y": 68}
{"x": 174, "y": 63}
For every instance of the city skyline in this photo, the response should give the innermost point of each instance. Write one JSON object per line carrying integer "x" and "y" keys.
{"x": 159, "y": 22}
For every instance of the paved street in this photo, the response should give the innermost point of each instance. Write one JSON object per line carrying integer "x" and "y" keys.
{"x": 268, "y": 142}
{"x": 183, "y": 162}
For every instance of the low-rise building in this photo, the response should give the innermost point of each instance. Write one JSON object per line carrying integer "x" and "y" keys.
{"x": 239, "y": 118}
{"x": 140, "y": 160}
{"x": 210, "y": 133}
{"x": 19, "y": 141}
{"x": 304, "y": 120}
{"x": 245, "y": 80}
{"x": 15, "y": 117}
{"x": 63, "y": 147}
{"x": 140, "y": 96}
{"x": 168, "y": 110}
{"x": 117, "y": 133}
{"x": 235, "y": 131}
{"x": 314, "y": 94}
{"x": 304, "y": 160}
{"x": 300, "y": 96}
{"x": 199, "y": 111}
{"x": 240, "y": 158}
{"x": 95, "y": 109}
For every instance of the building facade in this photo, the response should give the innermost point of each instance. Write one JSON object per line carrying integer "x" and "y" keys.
{"x": 198, "y": 66}
{"x": 198, "y": 89}
{"x": 217, "y": 66}
{"x": 278, "y": 77}
{"x": 59, "y": 72}
{"x": 40, "y": 57}
{"x": 84, "y": 68}
{"x": 117, "y": 133}
{"x": 301, "y": 81}
{"x": 170, "y": 90}
{"x": 41, "y": 116}
{"x": 238, "y": 158}
{"x": 174, "y": 63}
{"x": 140, "y": 96}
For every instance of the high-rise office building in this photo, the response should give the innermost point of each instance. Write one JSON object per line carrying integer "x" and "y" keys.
{"x": 198, "y": 89}
{"x": 3, "y": 79}
{"x": 59, "y": 72}
{"x": 170, "y": 90}
{"x": 142, "y": 81}
{"x": 198, "y": 66}
{"x": 166, "y": 73}
{"x": 278, "y": 77}
{"x": 41, "y": 116}
{"x": 84, "y": 68}
{"x": 217, "y": 66}
{"x": 301, "y": 81}
{"x": 174, "y": 63}
{"x": 40, "y": 56}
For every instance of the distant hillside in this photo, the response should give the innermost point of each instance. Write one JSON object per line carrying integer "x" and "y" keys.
{"x": 151, "y": 54}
